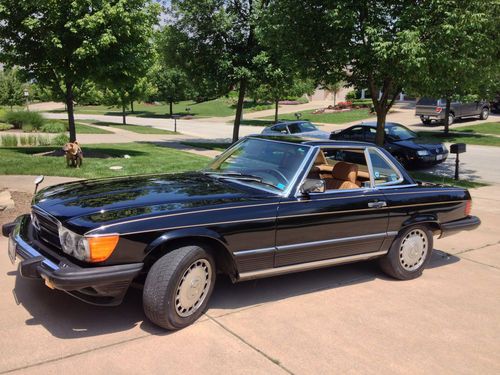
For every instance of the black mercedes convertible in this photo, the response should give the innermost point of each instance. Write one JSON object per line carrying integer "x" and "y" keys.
{"x": 265, "y": 207}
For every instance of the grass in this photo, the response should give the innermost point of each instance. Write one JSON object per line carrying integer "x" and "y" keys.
{"x": 144, "y": 158}
{"x": 220, "y": 107}
{"x": 428, "y": 177}
{"x": 328, "y": 118}
{"x": 257, "y": 122}
{"x": 485, "y": 128}
{"x": 471, "y": 139}
{"x": 218, "y": 146}
{"x": 135, "y": 128}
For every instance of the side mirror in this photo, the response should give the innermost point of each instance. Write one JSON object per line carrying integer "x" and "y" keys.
{"x": 313, "y": 186}
{"x": 38, "y": 181}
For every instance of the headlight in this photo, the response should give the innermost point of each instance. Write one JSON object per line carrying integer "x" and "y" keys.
{"x": 89, "y": 249}
{"x": 423, "y": 152}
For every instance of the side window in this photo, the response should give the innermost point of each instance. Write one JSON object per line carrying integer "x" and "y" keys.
{"x": 294, "y": 129}
{"x": 280, "y": 128}
{"x": 355, "y": 133}
{"x": 384, "y": 173}
{"x": 370, "y": 134}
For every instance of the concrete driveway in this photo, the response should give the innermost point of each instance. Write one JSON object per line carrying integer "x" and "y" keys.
{"x": 348, "y": 319}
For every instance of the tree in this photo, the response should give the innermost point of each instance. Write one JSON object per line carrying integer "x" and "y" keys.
{"x": 367, "y": 43}
{"x": 11, "y": 88}
{"x": 61, "y": 44}
{"x": 461, "y": 52}
{"x": 215, "y": 41}
{"x": 172, "y": 86}
{"x": 334, "y": 87}
{"x": 276, "y": 82}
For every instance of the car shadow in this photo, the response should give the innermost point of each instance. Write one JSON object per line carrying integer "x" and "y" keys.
{"x": 68, "y": 318}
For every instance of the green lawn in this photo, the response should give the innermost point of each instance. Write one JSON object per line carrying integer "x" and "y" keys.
{"x": 485, "y": 128}
{"x": 213, "y": 108}
{"x": 428, "y": 177}
{"x": 141, "y": 129}
{"x": 471, "y": 139}
{"x": 218, "y": 146}
{"x": 328, "y": 118}
{"x": 144, "y": 158}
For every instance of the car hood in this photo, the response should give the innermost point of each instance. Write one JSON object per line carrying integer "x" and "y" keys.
{"x": 417, "y": 144}
{"x": 93, "y": 203}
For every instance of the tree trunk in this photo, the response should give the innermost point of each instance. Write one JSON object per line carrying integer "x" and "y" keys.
{"x": 334, "y": 98}
{"x": 447, "y": 116}
{"x": 132, "y": 106}
{"x": 276, "y": 103}
{"x": 71, "y": 114}
{"x": 171, "y": 103}
{"x": 381, "y": 115}
{"x": 124, "y": 114}
{"x": 239, "y": 110}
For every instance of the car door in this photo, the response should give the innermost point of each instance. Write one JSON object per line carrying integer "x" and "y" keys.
{"x": 333, "y": 224}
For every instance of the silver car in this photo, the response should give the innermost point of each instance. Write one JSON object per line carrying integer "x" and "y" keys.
{"x": 296, "y": 128}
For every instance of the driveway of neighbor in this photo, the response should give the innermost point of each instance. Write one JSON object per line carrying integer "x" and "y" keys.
{"x": 345, "y": 319}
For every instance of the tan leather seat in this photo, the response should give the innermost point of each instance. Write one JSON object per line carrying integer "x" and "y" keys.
{"x": 344, "y": 176}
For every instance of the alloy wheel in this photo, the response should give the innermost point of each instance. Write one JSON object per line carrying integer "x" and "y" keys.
{"x": 193, "y": 287}
{"x": 413, "y": 250}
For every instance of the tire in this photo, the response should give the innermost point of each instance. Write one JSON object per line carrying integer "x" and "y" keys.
{"x": 165, "y": 301}
{"x": 425, "y": 121}
{"x": 408, "y": 262}
{"x": 485, "y": 113}
{"x": 451, "y": 119}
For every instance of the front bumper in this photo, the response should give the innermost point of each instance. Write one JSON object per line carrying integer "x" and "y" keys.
{"x": 452, "y": 227}
{"x": 429, "y": 159}
{"x": 104, "y": 285}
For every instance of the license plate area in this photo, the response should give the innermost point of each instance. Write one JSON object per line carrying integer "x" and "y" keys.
{"x": 439, "y": 157}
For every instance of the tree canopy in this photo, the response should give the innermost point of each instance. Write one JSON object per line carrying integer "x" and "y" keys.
{"x": 11, "y": 88}
{"x": 62, "y": 44}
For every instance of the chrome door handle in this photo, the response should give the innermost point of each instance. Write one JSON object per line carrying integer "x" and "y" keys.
{"x": 377, "y": 204}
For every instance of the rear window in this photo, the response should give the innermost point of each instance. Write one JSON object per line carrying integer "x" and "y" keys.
{"x": 427, "y": 101}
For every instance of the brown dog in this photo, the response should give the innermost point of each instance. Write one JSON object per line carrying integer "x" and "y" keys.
{"x": 74, "y": 154}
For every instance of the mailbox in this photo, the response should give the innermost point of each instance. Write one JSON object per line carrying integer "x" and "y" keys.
{"x": 457, "y": 148}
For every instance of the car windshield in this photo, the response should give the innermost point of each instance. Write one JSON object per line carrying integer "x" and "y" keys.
{"x": 400, "y": 133}
{"x": 261, "y": 163}
{"x": 301, "y": 127}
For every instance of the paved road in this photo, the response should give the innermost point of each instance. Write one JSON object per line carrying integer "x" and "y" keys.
{"x": 349, "y": 319}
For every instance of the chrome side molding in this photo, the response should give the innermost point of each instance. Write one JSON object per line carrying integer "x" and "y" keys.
{"x": 244, "y": 276}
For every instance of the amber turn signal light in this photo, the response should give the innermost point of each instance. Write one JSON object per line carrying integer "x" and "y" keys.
{"x": 102, "y": 247}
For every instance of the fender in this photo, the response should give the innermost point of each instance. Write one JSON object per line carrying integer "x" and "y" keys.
{"x": 186, "y": 233}
{"x": 422, "y": 219}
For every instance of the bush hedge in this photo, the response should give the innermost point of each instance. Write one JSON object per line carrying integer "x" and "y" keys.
{"x": 24, "y": 120}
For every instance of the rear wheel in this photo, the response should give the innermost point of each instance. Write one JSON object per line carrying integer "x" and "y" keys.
{"x": 178, "y": 287}
{"x": 409, "y": 253}
{"x": 485, "y": 113}
{"x": 451, "y": 119}
{"x": 425, "y": 121}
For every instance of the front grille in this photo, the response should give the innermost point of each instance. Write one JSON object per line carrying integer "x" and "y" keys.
{"x": 46, "y": 227}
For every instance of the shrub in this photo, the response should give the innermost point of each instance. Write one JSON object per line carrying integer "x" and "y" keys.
{"x": 344, "y": 105}
{"x": 351, "y": 95}
{"x": 43, "y": 140}
{"x": 9, "y": 140}
{"x": 5, "y": 126}
{"x": 53, "y": 127}
{"x": 20, "y": 119}
{"x": 28, "y": 140}
{"x": 60, "y": 139}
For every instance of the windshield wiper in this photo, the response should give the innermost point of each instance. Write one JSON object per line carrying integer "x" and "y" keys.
{"x": 243, "y": 177}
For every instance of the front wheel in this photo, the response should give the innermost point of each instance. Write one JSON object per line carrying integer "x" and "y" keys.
{"x": 409, "y": 253}
{"x": 178, "y": 287}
